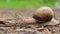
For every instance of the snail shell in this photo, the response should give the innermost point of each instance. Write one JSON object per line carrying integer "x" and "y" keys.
{"x": 43, "y": 14}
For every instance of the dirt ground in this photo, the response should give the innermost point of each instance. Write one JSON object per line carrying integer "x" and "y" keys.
{"x": 10, "y": 24}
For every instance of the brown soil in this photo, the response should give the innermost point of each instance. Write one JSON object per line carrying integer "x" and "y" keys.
{"x": 14, "y": 27}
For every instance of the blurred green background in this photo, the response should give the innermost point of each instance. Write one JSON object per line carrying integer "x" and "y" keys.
{"x": 28, "y": 3}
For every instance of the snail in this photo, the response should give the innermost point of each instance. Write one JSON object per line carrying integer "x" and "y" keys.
{"x": 41, "y": 15}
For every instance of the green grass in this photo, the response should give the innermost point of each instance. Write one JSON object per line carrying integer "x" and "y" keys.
{"x": 26, "y": 3}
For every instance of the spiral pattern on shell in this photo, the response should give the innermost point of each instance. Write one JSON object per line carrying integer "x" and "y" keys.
{"x": 43, "y": 14}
